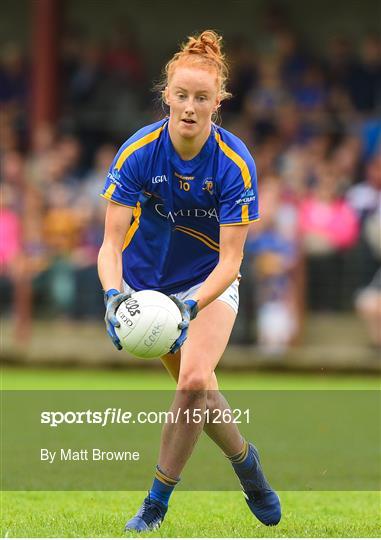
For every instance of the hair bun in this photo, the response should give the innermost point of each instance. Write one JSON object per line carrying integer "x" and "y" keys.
{"x": 208, "y": 43}
{"x": 211, "y": 40}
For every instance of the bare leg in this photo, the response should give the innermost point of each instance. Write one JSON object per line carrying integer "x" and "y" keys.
{"x": 225, "y": 435}
{"x": 197, "y": 389}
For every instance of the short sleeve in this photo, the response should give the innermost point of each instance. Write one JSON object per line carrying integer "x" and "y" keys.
{"x": 239, "y": 194}
{"x": 123, "y": 185}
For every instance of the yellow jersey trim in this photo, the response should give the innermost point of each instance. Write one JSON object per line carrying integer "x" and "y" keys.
{"x": 239, "y": 223}
{"x": 150, "y": 137}
{"x": 245, "y": 213}
{"x": 184, "y": 177}
{"x": 109, "y": 191}
{"x": 199, "y": 233}
{"x": 237, "y": 159}
{"x": 116, "y": 202}
{"x": 201, "y": 237}
{"x": 134, "y": 227}
{"x": 137, "y": 145}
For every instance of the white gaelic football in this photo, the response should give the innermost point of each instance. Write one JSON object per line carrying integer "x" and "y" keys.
{"x": 148, "y": 324}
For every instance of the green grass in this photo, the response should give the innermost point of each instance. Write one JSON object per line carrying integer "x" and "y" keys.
{"x": 192, "y": 514}
{"x": 127, "y": 379}
{"x": 200, "y": 514}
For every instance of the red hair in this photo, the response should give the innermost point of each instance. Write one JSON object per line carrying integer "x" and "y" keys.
{"x": 203, "y": 51}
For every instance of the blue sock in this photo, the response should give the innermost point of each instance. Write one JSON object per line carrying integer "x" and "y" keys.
{"x": 162, "y": 487}
{"x": 243, "y": 461}
{"x": 248, "y": 468}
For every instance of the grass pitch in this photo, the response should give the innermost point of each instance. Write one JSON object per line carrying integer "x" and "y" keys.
{"x": 158, "y": 379}
{"x": 195, "y": 514}
{"x": 191, "y": 514}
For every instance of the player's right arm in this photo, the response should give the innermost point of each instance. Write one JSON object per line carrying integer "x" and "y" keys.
{"x": 117, "y": 223}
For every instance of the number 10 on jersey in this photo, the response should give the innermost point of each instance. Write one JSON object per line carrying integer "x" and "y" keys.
{"x": 184, "y": 185}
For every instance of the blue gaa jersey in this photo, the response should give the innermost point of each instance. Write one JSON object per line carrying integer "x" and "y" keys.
{"x": 179, "y": 206}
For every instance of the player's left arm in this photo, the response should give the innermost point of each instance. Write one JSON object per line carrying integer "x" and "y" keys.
{"x": 232, "y": 240}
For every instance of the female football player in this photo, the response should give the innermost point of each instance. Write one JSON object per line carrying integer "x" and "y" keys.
{"x": 182, "y": 193}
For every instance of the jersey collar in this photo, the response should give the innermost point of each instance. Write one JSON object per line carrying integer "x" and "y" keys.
{"x": 188, "y": 165}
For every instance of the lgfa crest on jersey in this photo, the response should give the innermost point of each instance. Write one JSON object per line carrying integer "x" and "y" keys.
{"x": 208, "y": 186}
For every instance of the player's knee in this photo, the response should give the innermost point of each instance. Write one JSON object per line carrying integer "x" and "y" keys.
{"x": 194, "y": 382}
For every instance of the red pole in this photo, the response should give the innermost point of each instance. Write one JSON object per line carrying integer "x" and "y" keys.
{"x": 45, "y": 59}
{"x": 44, "y": 47}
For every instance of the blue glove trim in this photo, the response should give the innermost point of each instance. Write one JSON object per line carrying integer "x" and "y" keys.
{"x": 189, "y": 310}
{"x": 193, "y": 308}
{"x": 113, "y": 298}
{"x": 108, "y": 294}
{"x": 179, "y": 341}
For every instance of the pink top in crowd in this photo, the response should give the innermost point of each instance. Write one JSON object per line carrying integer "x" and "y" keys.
{"x": 10, "y": 237}
{"x": 334, "y": 220}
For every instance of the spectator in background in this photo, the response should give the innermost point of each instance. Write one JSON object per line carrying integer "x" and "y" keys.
{"x": 264, "y": 102}
{"x": 9, "y": 137}
{"x": 61, "y": 232}
{"x": 93, "y": 182}
{"x": 72, "y": 43}
{"x": 10, "y": 244}
{"x": 55, "y": 165}
{"x": 364, "y": 82}
{"x": 105, "y": 94}
{"x": 289, "y": 125}
{"x": 37, "y": 162}
{"x": 347, "y": 157}
{"x": 365, "y": 196}
{"x": 293, "y": 61}
{"x": 339, "y": 61}
{"x": 273, "y": 249}
{"x": 310, "y": 94}
{"x": 85, "y": 76}
{"x": 368, "y": 300}
{"x": 12, "y": 207}
{"x": 61, "y": 223}
{"x": 13, "y": 175}
{"x": 13, "y": 76}
{"x": 368, "y": 305}
{"x": 365, "y": 199}
{"x": 328, "y": 226}
{"x": 10, "y": 231}
{"x": 243, "y": 74}
{"x": 71, "y": 230}
{"x": 13, "y": 96}
{"x": 91, "y": 210}
{"x": 22, "y": 205}
{"x": 124, "y": 59}
{"x": 69, "y": 149}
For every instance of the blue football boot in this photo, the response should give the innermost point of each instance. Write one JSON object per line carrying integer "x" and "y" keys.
{"x": 149, "y": 516}
{"x": 260, "y": 497}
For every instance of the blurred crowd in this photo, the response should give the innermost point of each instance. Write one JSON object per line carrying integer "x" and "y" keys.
{"x": 312, "y": 122}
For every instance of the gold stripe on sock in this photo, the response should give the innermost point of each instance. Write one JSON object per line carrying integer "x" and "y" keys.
{"x": 242, "y": 455}
{"x": 165, "y": 479}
